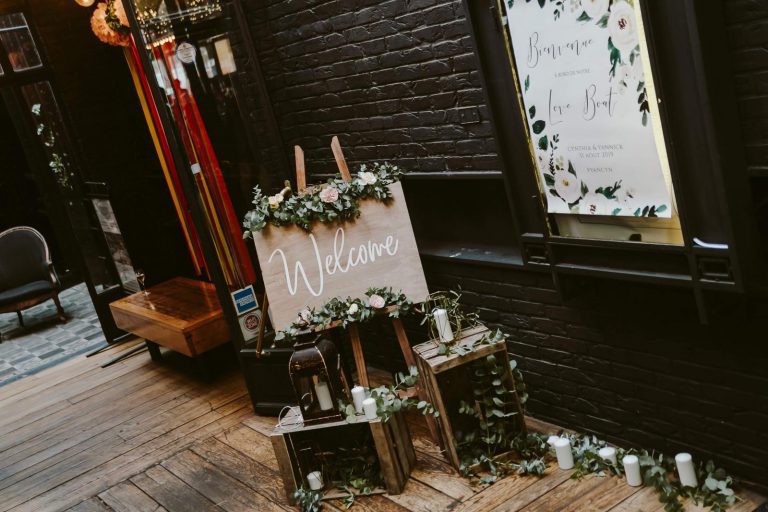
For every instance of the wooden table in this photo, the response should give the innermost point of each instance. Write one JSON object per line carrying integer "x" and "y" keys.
{"x": 181, "y": 314}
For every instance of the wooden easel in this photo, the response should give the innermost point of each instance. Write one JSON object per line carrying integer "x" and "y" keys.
{"x": 354, "y": 333}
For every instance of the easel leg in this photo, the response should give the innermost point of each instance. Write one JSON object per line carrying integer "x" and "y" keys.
{"x": 357, "y": 350}
{"x": 405, "y": 346}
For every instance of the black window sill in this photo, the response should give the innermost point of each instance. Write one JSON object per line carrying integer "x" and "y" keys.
{"x": 479, "y": 254}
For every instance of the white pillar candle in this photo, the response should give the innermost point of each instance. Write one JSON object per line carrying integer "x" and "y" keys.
{"x": 443, "y": 325}
{"x": 369, "y": 406}
{"x": 608, "y": 454}
{"x": 358, "y": 395}
{"x": 685, "y": 470}
{"x": 632, "y": 470}
{"x": 564, "y": 453}
{"x": 551, "y": 440}
{"x": 323, "y": 395}
{"x": 315, "y": 480}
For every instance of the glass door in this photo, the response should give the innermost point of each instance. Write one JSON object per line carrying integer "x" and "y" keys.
{"x": 28, "y": 91}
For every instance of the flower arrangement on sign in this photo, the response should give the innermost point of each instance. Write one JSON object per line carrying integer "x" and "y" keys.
{"x": 110, "y": 23}
{"x": 346, "y": 311}
{"x": 334, "y": 200}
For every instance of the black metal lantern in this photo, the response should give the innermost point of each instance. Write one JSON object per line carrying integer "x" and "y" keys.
{"x": 318, "y": 380}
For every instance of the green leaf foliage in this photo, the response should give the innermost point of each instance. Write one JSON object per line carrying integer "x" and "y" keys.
{"x": 307, "y": 207}
{"x": 539, "y": 126}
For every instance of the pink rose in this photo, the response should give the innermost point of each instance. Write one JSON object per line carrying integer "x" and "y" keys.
{"x": 329, "y": 195}
{"x": 376, "y": 301}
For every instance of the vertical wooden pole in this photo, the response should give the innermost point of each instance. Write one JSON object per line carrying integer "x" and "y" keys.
{"x": 405, "y": 347}
{"x": 357, "y": 350}
{"x": 301, "y": 172}
{"x": 341, "y": 162}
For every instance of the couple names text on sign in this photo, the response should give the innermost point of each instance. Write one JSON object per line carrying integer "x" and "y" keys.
{"x": 306, "y": 269}
{"x": 580, "y": 67}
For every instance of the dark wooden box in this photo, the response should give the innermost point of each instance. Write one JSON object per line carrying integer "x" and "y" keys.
{"x": 391, "y": 439}
{"x": 447, "y": 381}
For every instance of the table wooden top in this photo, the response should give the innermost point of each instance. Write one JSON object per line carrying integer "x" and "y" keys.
{"x": 180, "y": 302}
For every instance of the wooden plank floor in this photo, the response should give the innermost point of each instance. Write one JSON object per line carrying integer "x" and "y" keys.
{"x": 139, "y": 436}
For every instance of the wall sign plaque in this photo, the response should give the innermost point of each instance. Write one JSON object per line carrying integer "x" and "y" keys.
{"x": 307, "y": 268}
{"x": 583, "y": 85}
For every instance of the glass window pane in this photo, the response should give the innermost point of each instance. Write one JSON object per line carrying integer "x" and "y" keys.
{"x": 18, "y": 43}
{"x": 49, "y": 128}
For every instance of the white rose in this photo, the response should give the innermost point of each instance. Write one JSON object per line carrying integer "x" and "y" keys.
{"x": 376, "y": 301}
{"x": 274, "y": 201}
{"x": 567, "y": 186}
{"x": 368, "y": 178}
{"x": 597, "y": 204}
{"x": 353, "y": 308}
{"x": 595, "y": 8}
{"x": 623, "y": 28}
{"x": 329, "y": 195}
{"x": 304, "y": 317}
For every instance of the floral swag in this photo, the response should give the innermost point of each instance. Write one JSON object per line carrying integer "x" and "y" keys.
{"x": 335, "y": 200}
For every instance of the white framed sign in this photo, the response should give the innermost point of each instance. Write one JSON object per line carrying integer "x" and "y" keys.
{"x": 580, "y": 67}
{"x": 307, "y": 268}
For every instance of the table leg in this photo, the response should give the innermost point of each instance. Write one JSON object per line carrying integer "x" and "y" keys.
{"x": 154, "y": 351}
{"x": 203, "y": 368}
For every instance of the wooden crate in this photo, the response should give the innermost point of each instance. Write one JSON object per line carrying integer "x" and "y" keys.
{"x": 446, "y": 379}
{"x": 391, "y": 439}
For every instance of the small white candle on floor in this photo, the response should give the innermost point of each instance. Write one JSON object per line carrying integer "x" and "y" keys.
{"x": 323, "y": 396}
{"x": 315, "y": 480}
{"x": 632, "y": 470}
{"x": 608, "y": 454}
{"x": 564, "y": 453}
{"x": 369, "y": 406}
{"x": 358, "y": 395}
{"x": 443, "y": 325}
{"x": 685, "y": 470}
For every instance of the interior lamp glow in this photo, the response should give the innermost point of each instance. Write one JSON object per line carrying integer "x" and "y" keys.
{"x": 84, "y": 3}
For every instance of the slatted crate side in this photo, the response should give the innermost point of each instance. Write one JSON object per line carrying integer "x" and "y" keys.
{"x": 447, "y": 380}
{"x": 392, "y": 441}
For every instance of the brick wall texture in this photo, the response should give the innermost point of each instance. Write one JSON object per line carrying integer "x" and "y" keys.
{"x": 398, "y": 79}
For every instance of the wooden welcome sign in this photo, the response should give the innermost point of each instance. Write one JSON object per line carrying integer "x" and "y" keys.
{"x": 340, "y": 259}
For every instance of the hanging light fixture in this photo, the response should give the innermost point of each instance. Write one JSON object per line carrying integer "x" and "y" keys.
{"x": 84, "y": 3}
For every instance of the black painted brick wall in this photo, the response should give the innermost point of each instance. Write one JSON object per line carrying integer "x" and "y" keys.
{"x": 398, "y": 80}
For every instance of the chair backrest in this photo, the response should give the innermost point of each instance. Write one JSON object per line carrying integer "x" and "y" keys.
{"x": 24, "y": 257}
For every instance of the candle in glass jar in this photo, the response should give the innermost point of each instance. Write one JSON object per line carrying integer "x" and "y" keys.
{"x": 369, "y": 406}
{"x": 632, "y": 470}
{"x": 685, "y": 470}
{"x": 315, "y": 480}
{"x": 608, "y": 454}
{"x": 323, "y": 395}
{"x": 358, "y": 395}
{"x": 564, "y": 453}
{"x": 443, "y": 325}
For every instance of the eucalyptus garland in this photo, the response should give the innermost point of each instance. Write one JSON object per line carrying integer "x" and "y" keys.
{"x": 392, "y": 399}
{"x": 336, "y": 200}
{"x": 346, "y": 311}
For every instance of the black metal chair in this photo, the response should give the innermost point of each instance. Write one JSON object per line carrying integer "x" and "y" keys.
{"x": 27, "y": 277}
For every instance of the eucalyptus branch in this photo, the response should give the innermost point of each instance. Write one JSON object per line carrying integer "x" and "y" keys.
{"x": 392, "y": 399}
{"x": 336, "y": 200}
{"x": 346, "y": 311}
